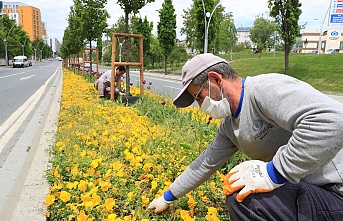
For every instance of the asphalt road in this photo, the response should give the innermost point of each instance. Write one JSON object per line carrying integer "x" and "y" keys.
{"x": 26, "y": 97}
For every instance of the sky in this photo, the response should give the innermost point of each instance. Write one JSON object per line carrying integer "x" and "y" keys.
{"x": 55, "y": 13}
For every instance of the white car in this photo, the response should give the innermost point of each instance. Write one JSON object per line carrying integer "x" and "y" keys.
{"x": 21, "y": 62}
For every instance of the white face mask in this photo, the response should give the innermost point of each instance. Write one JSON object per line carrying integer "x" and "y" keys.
{"x": 216, "y": 109}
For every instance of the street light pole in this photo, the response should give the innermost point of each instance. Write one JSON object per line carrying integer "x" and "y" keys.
{"x": 36, "y": 49}
{"x": 23, "y": 45}
{"x": 6, "y": 56}
{"x": 120, "y": 46}
{"x": 207, "y": 23}
{"x": 321, "y": 32}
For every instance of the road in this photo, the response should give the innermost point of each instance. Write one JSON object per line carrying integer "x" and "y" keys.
{"x": 26, "y": 96}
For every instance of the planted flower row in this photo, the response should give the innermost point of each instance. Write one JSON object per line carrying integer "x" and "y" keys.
{"x": 110, "y": 160}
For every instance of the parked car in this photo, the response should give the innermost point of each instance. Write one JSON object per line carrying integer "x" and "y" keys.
{"x": 332, "y": 51}
{"x": 21, "y": 61}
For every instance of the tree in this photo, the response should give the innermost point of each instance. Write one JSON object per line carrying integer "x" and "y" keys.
{"x": 13, "y": 37}
{"x": 194, "y": 25}
{"x": 188, "y": 29}
{"x": 154, "y": 55}
{"x": 262, "y": 32}
{"x": 92, "y": 16}
{"x": 228, "y": 38}
{"x": 144, "y": 28}
{"x": 130, "y": 6}
{"x": 166, "y": 30}
{"x": 286, "y": 14}
{"x": 73, "y": 41}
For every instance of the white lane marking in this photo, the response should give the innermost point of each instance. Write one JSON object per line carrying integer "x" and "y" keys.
{"x": 28, "y": 77}
{"x": 6, "y": 76}
{"x": 13, "y": 123}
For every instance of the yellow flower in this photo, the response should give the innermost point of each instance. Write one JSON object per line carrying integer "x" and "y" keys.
{"x": 191, "y": 204}
{"x": 185, "y": 216}
{"x": 82, "y": 186}
{"x": 74, "y": 169}
{"x": 145, "y": 200}
{"x": 82, "y": 216}
{"x": 65, "y": 196}
{"x": 49, "y": 200}
{"x": 131, "y": 195}
{"x": 212, "y": 214}
{"x": 111, "y": 217}
{"x": 109, "y": 203}
{"x": 105, "y": 185}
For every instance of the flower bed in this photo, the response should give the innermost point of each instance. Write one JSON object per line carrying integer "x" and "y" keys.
{"x": 110, "y": 160}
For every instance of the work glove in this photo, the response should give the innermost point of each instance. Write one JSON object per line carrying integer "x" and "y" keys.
{"x": 159, "y": 205}
{"x": 249, "y": 176}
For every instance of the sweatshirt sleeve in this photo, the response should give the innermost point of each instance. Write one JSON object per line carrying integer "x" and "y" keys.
{"x": 211, "y": 159}
{"x": 315, "y": 120}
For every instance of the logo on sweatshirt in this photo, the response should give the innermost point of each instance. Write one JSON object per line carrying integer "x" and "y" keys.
{"x": 261, "y": 128}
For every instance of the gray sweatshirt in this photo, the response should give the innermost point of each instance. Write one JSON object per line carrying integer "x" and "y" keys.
{"x": 284, "y": 120}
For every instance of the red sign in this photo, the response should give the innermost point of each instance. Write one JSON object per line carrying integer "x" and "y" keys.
{"x": 339, "y": 10}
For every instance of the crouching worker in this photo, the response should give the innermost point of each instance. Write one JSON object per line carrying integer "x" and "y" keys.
{"x": 292, "y": 132}
{"x": 104, "y": 82}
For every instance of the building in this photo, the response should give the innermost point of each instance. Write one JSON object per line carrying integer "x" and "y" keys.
{"x": 243, "y": 36}
{"x": 27, "y": 16}
{"x": 332, "y": 38}
{"x": 55, "y": 46}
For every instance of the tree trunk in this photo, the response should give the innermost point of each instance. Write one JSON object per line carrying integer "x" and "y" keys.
{"x": 165, "y": 65}
{"x": 90, "y": 57}
{"x": 287, "y": 50}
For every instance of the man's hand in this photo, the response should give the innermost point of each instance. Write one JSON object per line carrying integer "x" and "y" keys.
{"x": 252, "y": 176}
{"x": 159, "y": 205}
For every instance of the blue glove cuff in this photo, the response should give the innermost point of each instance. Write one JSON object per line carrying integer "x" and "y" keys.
{"x": 168, "y": 196}
{"x": 274, "y": 175}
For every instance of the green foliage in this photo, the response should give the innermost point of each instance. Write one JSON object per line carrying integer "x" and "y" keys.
{"x": 15, "y": 37}
{"x": 200, "y": 23}
{"x": 227, "y": 31}
{"x": 188, "y": 29}
{"x": 262, "y": 32}
{"x": 166, "y": 29}
{"x": 143, "y": 27}
{"x": 286, "y": 14}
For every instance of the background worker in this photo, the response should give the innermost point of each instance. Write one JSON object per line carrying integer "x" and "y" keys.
{"x": 104, "y": 81}
{"x": 292, "y": 132}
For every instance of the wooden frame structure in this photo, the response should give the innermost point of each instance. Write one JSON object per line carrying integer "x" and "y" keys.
{"x": 75, "y": 58}
{"x": 114, "y": 63}
{"x": 91, "y": 62}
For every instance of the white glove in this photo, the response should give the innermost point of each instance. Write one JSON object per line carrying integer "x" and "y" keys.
{"x": 159, "y": 205}
{"x": 250, "y": 175}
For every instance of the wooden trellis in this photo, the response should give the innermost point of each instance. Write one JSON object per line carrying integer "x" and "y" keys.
{"x": 91, "y": 62}
{"x": 139, "y": 64}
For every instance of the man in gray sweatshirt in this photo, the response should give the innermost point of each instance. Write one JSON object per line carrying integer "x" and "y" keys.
{"x": 292, "y": 132}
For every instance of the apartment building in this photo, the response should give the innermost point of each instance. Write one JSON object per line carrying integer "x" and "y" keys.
{"x": 27, "y": 16}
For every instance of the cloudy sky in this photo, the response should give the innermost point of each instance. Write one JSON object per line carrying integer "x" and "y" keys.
{"x": 55, "y": 13}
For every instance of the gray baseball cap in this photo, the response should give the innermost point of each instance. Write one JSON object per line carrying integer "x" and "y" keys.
{"x": 190, "y": 70}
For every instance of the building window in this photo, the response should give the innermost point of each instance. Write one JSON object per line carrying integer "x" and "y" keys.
{"x": 341, "y": 45}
